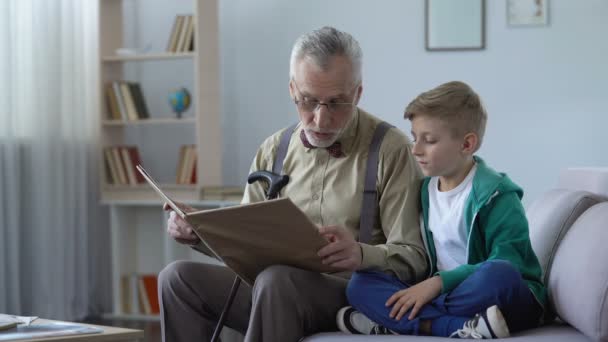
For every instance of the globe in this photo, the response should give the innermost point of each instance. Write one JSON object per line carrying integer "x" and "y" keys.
{"x": 179, "y": 100}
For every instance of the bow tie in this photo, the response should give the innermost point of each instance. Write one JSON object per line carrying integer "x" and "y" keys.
{"x": 335, "y": 150}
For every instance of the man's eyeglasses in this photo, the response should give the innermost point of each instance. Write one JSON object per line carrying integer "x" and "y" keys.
{"x": 310, "y": 106}
{"x": 332, "y": 107}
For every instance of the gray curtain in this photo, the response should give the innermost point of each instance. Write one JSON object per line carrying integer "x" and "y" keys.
{"x": 54, "y": 241}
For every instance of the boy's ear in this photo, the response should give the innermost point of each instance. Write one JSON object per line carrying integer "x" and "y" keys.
{"x": 469, "y": 146}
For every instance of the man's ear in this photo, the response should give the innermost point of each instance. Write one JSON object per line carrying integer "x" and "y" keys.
{"x": 291, "y": 92}
{"x": 359, "y": 92}
{"x": 469, "y": 146}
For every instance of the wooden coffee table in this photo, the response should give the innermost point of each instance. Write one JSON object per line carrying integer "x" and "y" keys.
{"x": 108, "y": 334}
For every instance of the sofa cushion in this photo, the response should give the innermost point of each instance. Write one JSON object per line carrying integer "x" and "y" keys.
{"x": 550, "y": 217}
{"x": 579, "y": 277}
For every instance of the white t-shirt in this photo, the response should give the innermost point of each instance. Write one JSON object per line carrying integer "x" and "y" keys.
{"x": 446, "y": 221}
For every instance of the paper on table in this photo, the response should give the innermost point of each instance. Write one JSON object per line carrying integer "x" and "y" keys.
{"x": 18, "y": 319}
{"x": 51, "y": 329}
{"x": 10, "y": 321}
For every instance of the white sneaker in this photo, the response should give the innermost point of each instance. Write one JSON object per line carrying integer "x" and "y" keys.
{"x": 351, "y": 321}
{"x": 489, "y": 324}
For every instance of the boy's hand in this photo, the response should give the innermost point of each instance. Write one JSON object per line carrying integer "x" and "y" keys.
{"x": 414, "y": 297}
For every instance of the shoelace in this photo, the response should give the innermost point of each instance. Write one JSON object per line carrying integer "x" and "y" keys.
{"x": 469, "y": 330}
{"x": 380, "y": 330}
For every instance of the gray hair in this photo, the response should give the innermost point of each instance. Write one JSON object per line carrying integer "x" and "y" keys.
{"x": 322, "y": 44}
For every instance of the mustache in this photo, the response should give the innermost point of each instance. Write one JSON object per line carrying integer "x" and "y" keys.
{"x": 322, "y": 131}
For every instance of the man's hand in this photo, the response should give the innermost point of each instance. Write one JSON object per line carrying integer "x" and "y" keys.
{"x": 414, "y": 297}
{"x": 178, "y": 228}
{"x": 342, "y": 252}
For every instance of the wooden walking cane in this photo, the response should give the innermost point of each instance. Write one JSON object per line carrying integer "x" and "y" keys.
{"x": 275, "y": 184}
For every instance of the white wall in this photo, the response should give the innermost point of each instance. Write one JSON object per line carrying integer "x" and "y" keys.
{"x": 544, "y": 87}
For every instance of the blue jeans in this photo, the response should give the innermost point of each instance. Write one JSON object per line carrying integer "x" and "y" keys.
{"x": 495, "y": 282}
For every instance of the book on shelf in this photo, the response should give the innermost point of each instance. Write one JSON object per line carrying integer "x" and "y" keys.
{"x": 129, "y": 103}
{"x": 112, "y": 103}
{"x": 186, "y": 165}
{"x": 121, "y": 102}
{"x": 248, "y": 238}
{"x": 125, "y": 101}
{"x": 139, "y": 294}
{"x": 181, "y": 38}
{"x": 177, "y": 24}
{"x": 139, "y": 100}
{"x": 120, "y": 162}
{"x": 120, "y": 166}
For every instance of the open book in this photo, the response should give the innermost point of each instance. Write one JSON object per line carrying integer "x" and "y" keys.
{"x": 251, "y": 237}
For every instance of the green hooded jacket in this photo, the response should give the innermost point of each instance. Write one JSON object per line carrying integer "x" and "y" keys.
{"x": 498, "y": 231}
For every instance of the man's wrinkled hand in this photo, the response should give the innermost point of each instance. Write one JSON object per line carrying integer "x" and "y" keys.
{"x": 343, "y": 251}
{"x": 178, "y": 228}
{"x": 414, "y": 298}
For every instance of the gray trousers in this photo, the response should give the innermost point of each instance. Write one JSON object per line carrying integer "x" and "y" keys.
{"x": 284, "y": 304}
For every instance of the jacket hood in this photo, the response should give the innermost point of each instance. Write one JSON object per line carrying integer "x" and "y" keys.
{"x": 487, "y": 182}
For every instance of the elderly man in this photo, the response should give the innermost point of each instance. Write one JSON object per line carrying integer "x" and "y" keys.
{"x": 326, "y": 156}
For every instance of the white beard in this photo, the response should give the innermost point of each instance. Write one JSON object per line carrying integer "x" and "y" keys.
{"x": 321, "y": 143}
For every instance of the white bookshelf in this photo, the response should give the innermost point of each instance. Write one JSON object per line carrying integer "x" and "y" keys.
{"x": 139, "y": 241}
{"x": 158, "y": 121}
{"x": 140, "y": 244}
{"x": 148, "y": 57}
{"x": 203, "y": 124}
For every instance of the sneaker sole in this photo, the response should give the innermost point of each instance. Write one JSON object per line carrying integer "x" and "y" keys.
{"x": 343, "y": 324}
{"x": 500, "y": 330}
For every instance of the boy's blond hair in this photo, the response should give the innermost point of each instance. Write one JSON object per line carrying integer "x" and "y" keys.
{"x": 454, "y": 103}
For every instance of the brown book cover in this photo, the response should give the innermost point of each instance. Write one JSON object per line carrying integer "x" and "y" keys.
{"x": 248, "y": 238}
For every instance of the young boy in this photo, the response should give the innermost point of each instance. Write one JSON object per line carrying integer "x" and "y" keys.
{"x": 485, "y": 280}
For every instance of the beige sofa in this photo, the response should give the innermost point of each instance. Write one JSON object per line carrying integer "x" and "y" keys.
{"x": 569, "y": 233}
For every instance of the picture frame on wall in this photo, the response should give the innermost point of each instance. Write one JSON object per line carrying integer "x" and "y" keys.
{"x": 454, "y": 25}
{"x": 527, "y": 12}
